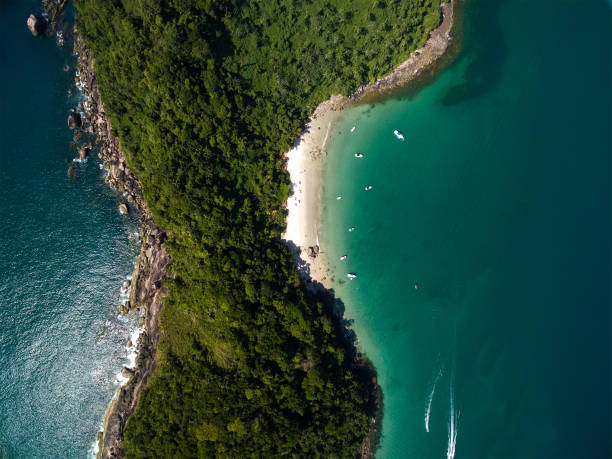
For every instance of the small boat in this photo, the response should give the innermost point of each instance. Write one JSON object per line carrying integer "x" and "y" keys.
{"x": 353, "y": 129}
{"x": 351, "y": 276}
{"x": 368, "y": 188}
{"x": 358, "y": 155}
{"x": 351, "y": 229}
{"x": 338, "y": 198}
{"x": 343, "y": 257}
{"x": 398, "y": 134}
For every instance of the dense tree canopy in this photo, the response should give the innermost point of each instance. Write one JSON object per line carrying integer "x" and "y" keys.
{"x": 205, "y": 97}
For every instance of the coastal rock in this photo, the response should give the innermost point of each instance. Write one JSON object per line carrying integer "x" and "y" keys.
{"x": 36, "y": 24}
{"x": 127, "y": 372}
{"x": 123, "y": 209}
{"x": 74, "y": 120}
{"x": 83, "y": 151}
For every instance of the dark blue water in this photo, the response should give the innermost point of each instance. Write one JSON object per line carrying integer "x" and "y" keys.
{"x": 497, "y": 207}
{"x": 64, "y": 253}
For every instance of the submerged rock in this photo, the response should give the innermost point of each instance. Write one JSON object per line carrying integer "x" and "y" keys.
{"x": 74, "y": 120}
{"x": 36, "y": 24}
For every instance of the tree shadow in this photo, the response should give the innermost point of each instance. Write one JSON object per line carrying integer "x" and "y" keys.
{"x": 335, "y": 308}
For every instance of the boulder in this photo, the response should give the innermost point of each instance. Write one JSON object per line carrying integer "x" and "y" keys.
{"x": 127, "y": 372}
{"x": 74, "y": 120}
{"x": 83, "y": 151}
{"x": 36, "y": 24}
{"x": 123, "y": 209}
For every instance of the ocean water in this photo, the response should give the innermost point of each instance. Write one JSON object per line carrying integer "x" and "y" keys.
{"x": 483, "y": 250}
{"x": 64, "y": 252}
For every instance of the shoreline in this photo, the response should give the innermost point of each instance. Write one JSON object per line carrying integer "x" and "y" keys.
{"x": 306, "y": 163}
{"x": 146, "y": 290}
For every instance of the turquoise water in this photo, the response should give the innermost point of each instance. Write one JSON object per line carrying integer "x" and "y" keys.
{"x": 497, "y": 208}
{"x": 64, "y": 253}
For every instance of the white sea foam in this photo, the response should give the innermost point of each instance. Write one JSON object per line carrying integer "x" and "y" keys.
{"x": 93, "y": 450}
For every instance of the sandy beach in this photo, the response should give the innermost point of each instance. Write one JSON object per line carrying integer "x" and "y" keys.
{"x": 305, "y": 162}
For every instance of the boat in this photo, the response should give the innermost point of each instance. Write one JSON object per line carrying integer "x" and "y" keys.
{"x": 398, "y": 134}
{"x": 351, "y": 229}
{"x": 353, "y": 129}
{"x": 358, "y": 155}
{"x": 343, "y": 257}
{"x": 338, "y": 198}
{"x": 351, "y": 276}
{"x": 368, "y": 188}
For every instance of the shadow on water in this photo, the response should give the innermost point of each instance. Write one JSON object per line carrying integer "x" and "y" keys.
{"x": 485, "y": 58}
{"x": 363, "y": 368}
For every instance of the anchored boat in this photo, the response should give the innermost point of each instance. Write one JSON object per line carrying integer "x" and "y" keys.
{"x": 398, "y": 134}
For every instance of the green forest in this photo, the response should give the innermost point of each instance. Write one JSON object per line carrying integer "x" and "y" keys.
{"x": 206, "y": 96}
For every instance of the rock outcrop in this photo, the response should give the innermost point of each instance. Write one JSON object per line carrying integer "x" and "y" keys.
{"x": 74, "y": 120}
{"x": 36, "y": 24}
{"x": 84, "y": 151}
{"x": 147, "y": 292}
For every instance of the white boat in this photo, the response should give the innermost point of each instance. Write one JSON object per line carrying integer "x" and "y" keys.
{"x": 353, "y": 129}
{"x": 338, "y": 198}
{"x": 398, "y": 134}
{"x": 351, "y": 229}
{"x": 358, "y": 155}
{"x": 368, "y": 188}
{"x": 351, "y": 276}
{"x": 343, "y": 257}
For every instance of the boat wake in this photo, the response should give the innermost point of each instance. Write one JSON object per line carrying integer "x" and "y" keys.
{"x": 430, "y": 398}
{"x": 452, "y": 414}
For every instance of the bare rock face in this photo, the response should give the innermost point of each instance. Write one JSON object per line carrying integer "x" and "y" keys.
{"x": 36, "y": 24}
{"x": 74, "y": 120}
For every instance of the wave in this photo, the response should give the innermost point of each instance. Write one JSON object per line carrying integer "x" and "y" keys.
{"x": 430, "y": 398}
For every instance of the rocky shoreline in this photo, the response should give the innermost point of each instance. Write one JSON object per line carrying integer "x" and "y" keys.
{"x": 147, "y": 291}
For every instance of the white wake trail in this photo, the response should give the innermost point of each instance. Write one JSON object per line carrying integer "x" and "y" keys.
{"x": 452, "y": 416}
{"x": 430, "y": 399}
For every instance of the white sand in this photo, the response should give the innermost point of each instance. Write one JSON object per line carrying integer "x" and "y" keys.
{"x": 305, "y": 166}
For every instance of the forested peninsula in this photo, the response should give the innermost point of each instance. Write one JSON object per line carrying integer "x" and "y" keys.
{"x": 205, "y": 97}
